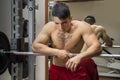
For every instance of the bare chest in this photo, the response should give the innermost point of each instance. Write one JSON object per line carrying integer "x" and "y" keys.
{"x": 66, "y": 40}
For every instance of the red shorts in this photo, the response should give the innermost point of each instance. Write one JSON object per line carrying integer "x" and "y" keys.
{"x": 86, "y": 70}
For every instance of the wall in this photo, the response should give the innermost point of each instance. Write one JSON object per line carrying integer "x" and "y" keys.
{"x": 5, "y": 26}
{"x": 106, "y": 13}
{"x": 5, "y": 17}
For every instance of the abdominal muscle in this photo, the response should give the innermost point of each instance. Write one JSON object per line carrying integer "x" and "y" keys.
{"x": 61, "y": 62}
{"x": 58, "y": 62}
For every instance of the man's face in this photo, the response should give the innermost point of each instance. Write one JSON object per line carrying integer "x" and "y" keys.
{"x": 62, "y": 25}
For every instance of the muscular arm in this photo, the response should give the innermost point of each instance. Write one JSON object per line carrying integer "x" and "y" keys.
{"x": 40, "y": 44}
{"x": 91, "y": 41}
{"x": 93, "y": 49}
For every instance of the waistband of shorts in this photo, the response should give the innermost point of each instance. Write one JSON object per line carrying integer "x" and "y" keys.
{"x": 58, "y": 67}
{"x": 52, "y": 66}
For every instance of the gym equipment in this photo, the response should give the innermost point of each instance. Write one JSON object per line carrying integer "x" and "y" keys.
{"x": 7, "y": 58}
{"x": 24, "y": 3}
{"x": 25, "y": 27}
{"x": 22, "y": 37}
{"x": 24, "y": 70}
{"x": 4, "y": 45}
{"x": 104, "y": 55}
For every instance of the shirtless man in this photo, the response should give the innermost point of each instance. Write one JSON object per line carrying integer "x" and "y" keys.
{"x": 67, "y": 37}
{"x": 99, "y": 31}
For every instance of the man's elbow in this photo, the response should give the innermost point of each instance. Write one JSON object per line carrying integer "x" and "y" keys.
{"x": 99, "y": 50}
{"x": 33, "y": 48}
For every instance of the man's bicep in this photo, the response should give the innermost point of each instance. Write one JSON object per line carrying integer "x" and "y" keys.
{"x": 42, "y": 38}
{"x": 88, "y": 35}
{"x": 45, "y": 33}
{"x": 90, "y": 39}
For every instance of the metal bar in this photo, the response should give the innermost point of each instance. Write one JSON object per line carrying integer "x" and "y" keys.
{"x": 22, "y": 53}
{"x": 106, "y": 51}
{"x": 104, "y": 55}
{"x": 115, "y": 75}
{"x": 16, "y": 23}
{"x": 31, "y": 36}
{"x": 110, "y": 55}
{"x": 114, "y": 46}
{"x": 40, "y": 54}
{"x": 16, "y": 35}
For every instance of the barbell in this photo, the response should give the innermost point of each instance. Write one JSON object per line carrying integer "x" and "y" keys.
{"x": 7, "y": 59}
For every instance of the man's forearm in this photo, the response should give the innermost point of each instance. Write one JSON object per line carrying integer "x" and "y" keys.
{"x": 90, "y": 52}
{"x": 44, "y": 49}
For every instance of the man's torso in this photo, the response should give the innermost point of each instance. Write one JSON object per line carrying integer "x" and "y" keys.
{"x": 71, "y": 41}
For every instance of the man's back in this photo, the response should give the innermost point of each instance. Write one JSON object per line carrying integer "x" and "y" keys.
{"x": 102, "y": 34}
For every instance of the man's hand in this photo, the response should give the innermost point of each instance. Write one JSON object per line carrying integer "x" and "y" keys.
{"x": 73, "y": 62}
{"x": 63, "y": 54}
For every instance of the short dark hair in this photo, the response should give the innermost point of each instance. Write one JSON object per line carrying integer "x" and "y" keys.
{"x": 90, "y": 19}
{"x": 61, "y": 10}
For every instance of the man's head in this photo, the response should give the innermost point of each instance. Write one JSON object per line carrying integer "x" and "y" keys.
{"x": 61, "y": 10}
{"x": 90, "y": 19}
{"x": 61, "y": 16}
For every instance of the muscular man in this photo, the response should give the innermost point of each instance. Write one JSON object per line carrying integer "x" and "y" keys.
{"x": 67, "y": 37}
{"x": 99, "y": 31}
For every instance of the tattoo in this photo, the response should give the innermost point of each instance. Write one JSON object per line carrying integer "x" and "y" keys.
{"x": 61, "y": 37}
{"x": 68, "y": 38}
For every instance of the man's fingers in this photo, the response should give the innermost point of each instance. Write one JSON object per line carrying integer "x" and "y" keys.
{"x": 75, "y": 66}
{"x": 66, "y": 58}
{"x": 70, "y": 65}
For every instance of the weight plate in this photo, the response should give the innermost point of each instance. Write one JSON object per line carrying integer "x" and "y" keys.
{"x": 4, "y": 45}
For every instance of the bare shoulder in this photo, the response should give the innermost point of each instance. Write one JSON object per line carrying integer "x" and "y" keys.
{"x": 100, "y": 28}
{"x": 80, "y": 24}
{"x": 48, "y": 27}
{"x": 97, "y": 26}
{"x": 84, "y": 27}
{"x": 46, "y": 30}
{"x": 45, "y": 33}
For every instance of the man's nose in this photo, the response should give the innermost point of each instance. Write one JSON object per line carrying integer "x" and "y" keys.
{"x": 60, "y": 26}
